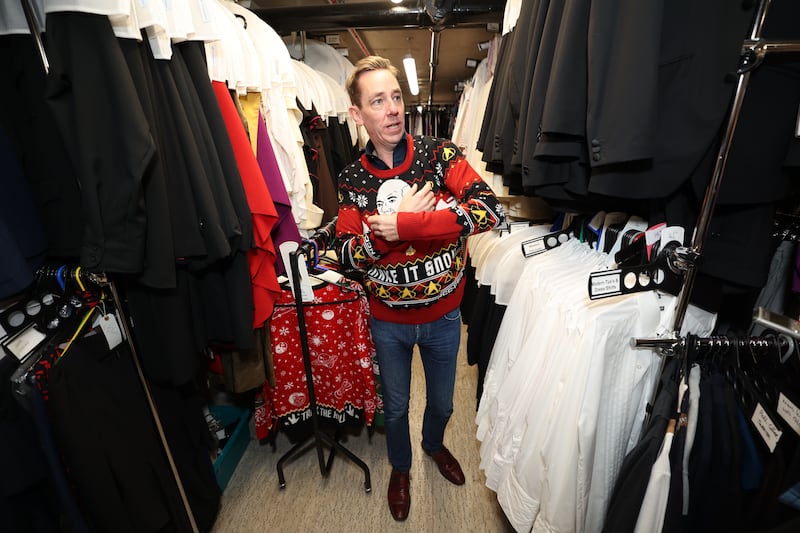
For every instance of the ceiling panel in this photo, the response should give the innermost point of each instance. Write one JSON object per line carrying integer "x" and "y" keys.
{"x": 457, "y": 43}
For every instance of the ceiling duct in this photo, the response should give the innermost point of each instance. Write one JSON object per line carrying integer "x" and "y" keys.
{"x": 439, "y": 10}
{"x": 341, "y": 17}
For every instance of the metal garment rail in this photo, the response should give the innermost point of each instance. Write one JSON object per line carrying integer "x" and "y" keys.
{"x": 316, "y": 245}
{"x": 754, "y": 49}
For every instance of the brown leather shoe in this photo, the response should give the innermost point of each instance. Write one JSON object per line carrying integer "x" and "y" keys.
{"x": 448, "y": 466}
{"x": 399, "y": 496}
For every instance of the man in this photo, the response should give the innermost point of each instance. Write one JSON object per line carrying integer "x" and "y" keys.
{"x": 406, "y": 208}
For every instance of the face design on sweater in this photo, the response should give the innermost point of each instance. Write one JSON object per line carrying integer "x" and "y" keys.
{"x": 389, "y": 195}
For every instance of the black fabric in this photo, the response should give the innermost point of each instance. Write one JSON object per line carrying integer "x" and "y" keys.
{"x": 92, "y": 95}
{"x": 180, "y": 410}
{"x": 212, "y": 222}
{"x": 169, "y": 328}
{"x": 192, "y": 52}
{"x": 27, "y": 501}
{"x": 22, "y": 240}
{"x": 71, "y": 514}
{"x": 482, "y": 333}
{"x": 109, "y": 443}
{"x": 715, "y": 493}
{"x": 159, "y": 262}
{"x": 316, "y": 147}
{"x": 39, "y": 147}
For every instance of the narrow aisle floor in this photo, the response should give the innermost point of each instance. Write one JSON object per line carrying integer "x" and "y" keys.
{"x": 311, "y": 503}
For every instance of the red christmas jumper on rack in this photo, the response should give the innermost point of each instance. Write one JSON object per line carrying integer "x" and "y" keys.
{"x": 341, "y": 352}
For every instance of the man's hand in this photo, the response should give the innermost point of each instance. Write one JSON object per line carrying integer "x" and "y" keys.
{"x": 418, "y": 201}
{"x": 384, "y": 226}
{"x": 414, "y": 201}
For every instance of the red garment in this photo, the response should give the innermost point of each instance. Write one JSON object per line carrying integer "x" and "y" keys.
{"x": 341, "y": 350}
{"x": 261, "y": 257}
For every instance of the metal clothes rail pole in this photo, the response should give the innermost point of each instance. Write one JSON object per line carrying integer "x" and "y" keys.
{"x": 36, "y": 33}
{"x": 152, "y": 405}
{"x": 753, "y": 51}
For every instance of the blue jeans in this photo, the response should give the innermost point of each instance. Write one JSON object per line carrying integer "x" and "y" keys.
{"x": 438, "y": 343}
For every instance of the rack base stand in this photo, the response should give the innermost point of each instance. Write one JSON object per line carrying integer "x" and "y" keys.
{"x": 318, "y": 440}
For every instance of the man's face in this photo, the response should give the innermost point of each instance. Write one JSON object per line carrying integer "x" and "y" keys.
{"x": 381, "y": 109}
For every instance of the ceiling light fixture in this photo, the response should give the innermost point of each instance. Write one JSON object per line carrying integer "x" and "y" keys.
{"x": 410, "y": 66}
{"x": 396, "y": 1}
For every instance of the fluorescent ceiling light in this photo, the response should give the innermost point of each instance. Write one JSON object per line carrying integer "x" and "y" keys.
{"x": 410, "y": 67}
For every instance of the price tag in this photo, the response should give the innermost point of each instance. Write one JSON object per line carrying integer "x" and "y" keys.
{"x": 789, "y": 412}
{"x": 24, "y": 342}
{"x": 603, "y": 284}
{"x": 768, "y": 430}
{"x": 533, "y": 247}
{"x": 109, "y": 325}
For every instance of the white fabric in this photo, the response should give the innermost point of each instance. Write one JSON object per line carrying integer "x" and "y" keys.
{"x": 204, "y": 28}
{"x": 12, "y": 17}
{"x": 321, "y": 57}
{"x": 654, "y": 505}
{"x": 564, "y": 393}
{"x": 466, "y": 130}
{"x": 126, "y": 26}
{"x": 97, "y": 7}
{"x": 152, "y": 17}
{"x": 279, "y": 88}
{"x": 511, "y": 15}
{"x": 691, "y": 431}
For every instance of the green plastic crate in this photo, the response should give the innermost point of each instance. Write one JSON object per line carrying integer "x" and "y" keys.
{"x": 231, "y": 454}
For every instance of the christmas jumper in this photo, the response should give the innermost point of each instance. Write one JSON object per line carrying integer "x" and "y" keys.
{"x": 418, "y": 278}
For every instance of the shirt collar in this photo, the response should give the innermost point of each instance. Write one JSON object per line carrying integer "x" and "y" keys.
{"x": 398, "y": 155}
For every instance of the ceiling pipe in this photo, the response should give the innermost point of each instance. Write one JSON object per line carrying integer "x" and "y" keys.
{"x": 373, "y": 15}
{"x": 436, "y": 35}
{"x": 354, "y": 34}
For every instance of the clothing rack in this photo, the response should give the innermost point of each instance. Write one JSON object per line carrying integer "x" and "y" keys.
{"x": 685, "y": 259}
{"x": 101, "y": 280}
{"x": 717, "y": 341}
{"x": 754, "y": 49}
{"x": 313, "y": 247}
{"x": 83, "y": 278}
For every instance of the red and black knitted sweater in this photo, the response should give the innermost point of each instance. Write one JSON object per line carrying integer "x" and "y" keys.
{"x": 417, "y": 279}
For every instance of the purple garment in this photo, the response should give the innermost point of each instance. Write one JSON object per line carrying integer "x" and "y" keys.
{"x": 285, "y": 228}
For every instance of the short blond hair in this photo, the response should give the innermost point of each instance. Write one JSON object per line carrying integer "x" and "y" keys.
{"x": 366, "y": 64}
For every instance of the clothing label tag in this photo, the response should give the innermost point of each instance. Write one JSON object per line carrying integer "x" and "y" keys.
{"x": 533, "y": 247}
{"x": 672, "y": 233}
{"x": 111, "y": 330}
{"x": 331, "y": 276}
{"x": 25, "y": 342}
{"x": 306, "y": 291}
{"x": 605, "y": 283}
{"x": 766, "y": 427}
{"x": 789, "y": 412}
